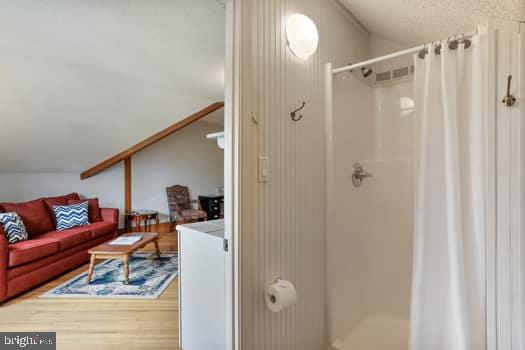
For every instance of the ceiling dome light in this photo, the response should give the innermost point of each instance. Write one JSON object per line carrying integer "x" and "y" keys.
{"x": 302, "y": 36}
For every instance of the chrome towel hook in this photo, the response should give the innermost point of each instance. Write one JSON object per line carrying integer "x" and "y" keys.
{"x": 294, "y": 116}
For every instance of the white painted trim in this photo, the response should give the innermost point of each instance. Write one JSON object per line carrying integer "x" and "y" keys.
{"x": 491, "y": 303}
{"x": 520, "y": 273}
{"x": 505, "y": 291}
{"x": 517, "y": 232}
{"x": 179, "y": 291}
{"x": 503, "y": 207}
{"x": 516, "y": 174}
{"x": 329, "y": 115}
{"x": 232, "y": 170}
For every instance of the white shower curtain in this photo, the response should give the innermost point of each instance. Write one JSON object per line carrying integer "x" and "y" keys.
{"x": 448, "y": 291}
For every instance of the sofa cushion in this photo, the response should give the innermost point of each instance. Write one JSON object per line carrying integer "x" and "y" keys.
{"x": 30, "y": 250}
{"x": 60, "y": 200}
{"x": 68, "y": 238}
{"x": 93, "y": 208}
{"x": 34, "y": 214}
{"x": 18, "y": 271}
{"x": 13, "y": 227}
{"x": 102, "y": 228}
{"x": 69, "y": 216}
{"x": 109, "y": 215}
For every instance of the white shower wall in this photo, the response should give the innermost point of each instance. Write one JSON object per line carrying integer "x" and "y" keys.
{"x": 369, "y": 237}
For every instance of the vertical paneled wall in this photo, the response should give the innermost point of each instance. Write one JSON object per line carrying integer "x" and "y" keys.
{"x": 505, "y": 257}
{"x": 282, "y": 222}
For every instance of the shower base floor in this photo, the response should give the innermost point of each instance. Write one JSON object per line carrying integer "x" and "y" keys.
{"x": 376, "y": 333}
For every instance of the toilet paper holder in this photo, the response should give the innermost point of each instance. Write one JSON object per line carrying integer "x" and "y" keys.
{"x": 280, "y": 294}
{"x": 272, "y": 297}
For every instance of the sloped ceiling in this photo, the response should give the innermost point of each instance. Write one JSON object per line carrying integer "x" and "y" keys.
{"x": 420, "y": 21}
{"x": 81, "y": 80}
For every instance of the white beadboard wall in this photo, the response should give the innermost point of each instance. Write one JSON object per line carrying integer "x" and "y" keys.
{"x": 282, "y": 222}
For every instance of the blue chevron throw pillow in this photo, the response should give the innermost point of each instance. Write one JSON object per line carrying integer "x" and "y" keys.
{"x": 14, "y": 227}
{"x": 69, "y": 216}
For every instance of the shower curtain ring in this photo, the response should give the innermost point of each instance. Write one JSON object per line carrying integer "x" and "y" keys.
{"x": 467, "y": 43}
{"x": 437, "y": 49}
{"x": 422, "y": 53}
{"x": 453, "y": 45}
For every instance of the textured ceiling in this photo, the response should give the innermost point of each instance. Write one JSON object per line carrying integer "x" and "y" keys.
{"x": 419, "y": 21}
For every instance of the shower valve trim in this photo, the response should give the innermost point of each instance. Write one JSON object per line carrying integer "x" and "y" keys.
{"x": 359, "y": 174}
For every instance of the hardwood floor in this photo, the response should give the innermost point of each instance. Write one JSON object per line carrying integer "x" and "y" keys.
{"x": 98, "y": 324}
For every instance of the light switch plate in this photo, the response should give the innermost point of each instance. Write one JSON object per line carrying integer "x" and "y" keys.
{"x": 264, "y": 168}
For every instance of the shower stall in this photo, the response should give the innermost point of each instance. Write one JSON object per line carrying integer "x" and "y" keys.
{"x": 370, "y": 225}
{"x": 424, "y": 196}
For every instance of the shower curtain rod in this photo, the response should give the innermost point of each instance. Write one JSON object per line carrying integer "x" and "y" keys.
{"x": 389, "y": 56}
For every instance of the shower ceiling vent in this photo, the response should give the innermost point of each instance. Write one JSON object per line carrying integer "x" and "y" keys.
{"x": 394, "y": 76}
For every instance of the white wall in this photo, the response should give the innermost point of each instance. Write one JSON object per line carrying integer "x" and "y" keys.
{"x": 520, "y": 325}
{"x": 353, "y": 126}
{"x": 185, "y": 158}
{"x": 380, "y": 46}
{"x": 81, "y": 81}
{"x": 369, "y": 238}
{"x": 282, "y": 229}
{"x": 17, "y": 187}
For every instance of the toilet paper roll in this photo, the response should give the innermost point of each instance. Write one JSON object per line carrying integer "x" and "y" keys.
{"x": 280, "y": 295}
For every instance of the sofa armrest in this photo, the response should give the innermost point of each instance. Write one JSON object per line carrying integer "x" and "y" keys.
{"x": 109, "y": 215}
{"x": 4, "y": 256}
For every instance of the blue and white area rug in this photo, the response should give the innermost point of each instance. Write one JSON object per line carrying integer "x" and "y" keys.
{"x": 149, "y": 276}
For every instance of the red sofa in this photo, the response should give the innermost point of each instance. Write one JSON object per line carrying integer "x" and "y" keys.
{"x": 47, "y": 253}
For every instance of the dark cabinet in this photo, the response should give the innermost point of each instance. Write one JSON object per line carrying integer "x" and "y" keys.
{"x": 213, "y": 206}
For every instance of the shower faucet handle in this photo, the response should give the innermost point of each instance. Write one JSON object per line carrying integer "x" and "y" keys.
{"x": 359, "y": 174}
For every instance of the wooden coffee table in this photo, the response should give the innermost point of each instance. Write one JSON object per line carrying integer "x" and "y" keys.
{"x": 109, "y": 251}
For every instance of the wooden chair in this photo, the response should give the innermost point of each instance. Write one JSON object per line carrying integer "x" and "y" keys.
{"x": 181, "y": 208}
